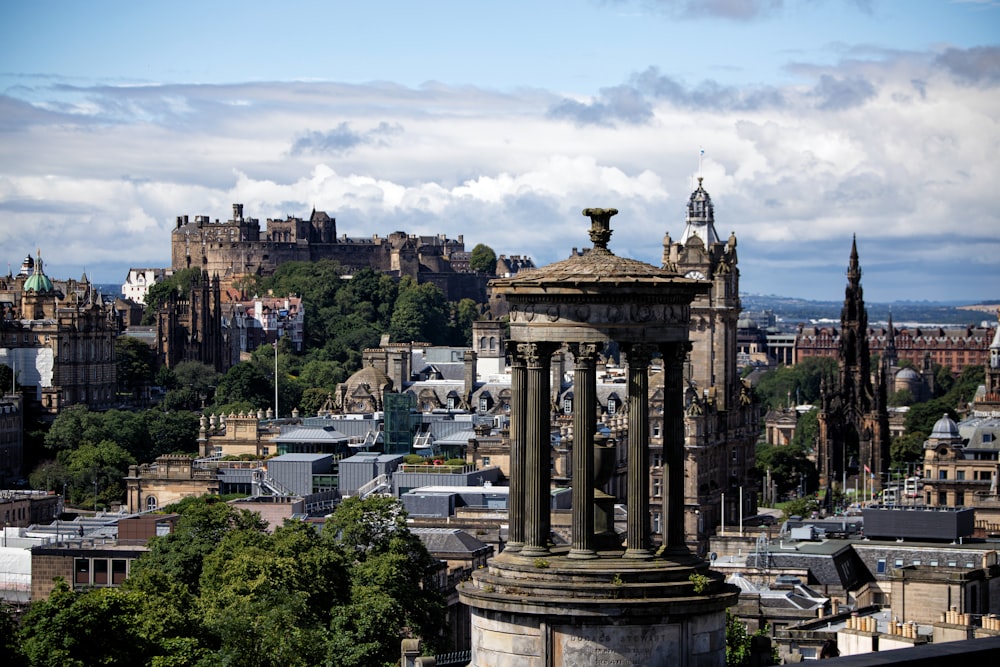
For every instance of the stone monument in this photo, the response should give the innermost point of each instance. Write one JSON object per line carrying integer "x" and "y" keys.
{"x": 596, "y": 601}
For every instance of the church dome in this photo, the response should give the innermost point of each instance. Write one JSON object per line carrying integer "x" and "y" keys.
{"x": 373, "y": 378}
{"x": 38, "y": 282}
{"x": 908, "y": 375}
{"x": 945, "y": 429}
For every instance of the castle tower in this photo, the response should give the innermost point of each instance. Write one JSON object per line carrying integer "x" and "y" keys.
{"x": 625, "y": 604}
{"x": 853, "y": 418}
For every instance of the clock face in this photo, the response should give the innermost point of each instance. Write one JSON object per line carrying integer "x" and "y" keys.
{"x": 696, "y": 275}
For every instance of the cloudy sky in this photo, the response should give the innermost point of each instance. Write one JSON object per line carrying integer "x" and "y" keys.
{"x": 819, "y": 119}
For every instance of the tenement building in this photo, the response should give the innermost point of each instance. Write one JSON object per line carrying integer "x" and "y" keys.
{"x": 239, "y": 247}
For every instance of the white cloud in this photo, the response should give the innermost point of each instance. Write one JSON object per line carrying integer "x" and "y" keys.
{"x": 905, "y": 159}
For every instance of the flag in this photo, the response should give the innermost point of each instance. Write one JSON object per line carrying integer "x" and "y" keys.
{"x": 867, "y": 469}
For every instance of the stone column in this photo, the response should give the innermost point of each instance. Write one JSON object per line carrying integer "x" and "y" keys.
{"x": 637, "y": 492}
{"x": 538, "y": 445}
{"x": 518, "y": 410}
{"x": 674, "y": 356}
{"x": 584, "y": 426}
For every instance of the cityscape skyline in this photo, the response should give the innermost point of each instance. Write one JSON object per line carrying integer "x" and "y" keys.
{"x": 809, "y": 123}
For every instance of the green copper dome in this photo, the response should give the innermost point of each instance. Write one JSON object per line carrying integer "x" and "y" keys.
{"x": 38, "y": 281}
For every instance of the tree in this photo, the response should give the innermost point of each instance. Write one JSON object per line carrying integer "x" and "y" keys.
{"x": 10, "y": 651}
{"x": 421, "y": 314}
{"x": 97, "y": 627}
{"x": 390, "y": 590}
{"x": 795, "y": 384}
{"x": 790, "y": 467}
{"x": 247, "y": 383}
{"x": 96, "y": 468}
{"x": 136, "y": 365}
{"x": 907, "y": 449}
{"x": 465, "y": 313}
{"x": 202, "y": 524}
{"x": 742, "y": 647}
{"x": 483, "y": 259}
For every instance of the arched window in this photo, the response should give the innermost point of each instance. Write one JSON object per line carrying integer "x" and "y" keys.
{"x": 150, "y": 502}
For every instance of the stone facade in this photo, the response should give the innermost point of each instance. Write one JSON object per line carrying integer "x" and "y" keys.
{"x": 166, "y": 481}
{"x": 58, "y": 336}
{"x": 190, "y": 328}
{"x": 721, "y": 422}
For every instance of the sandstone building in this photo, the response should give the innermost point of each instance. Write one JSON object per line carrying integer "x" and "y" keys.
{"x": 722, "y": 416}
{"x": 58, "y": 337}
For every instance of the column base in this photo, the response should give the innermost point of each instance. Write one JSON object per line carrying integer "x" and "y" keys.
{"x": 582, "y": 554}
{"x": 638, "y": 554}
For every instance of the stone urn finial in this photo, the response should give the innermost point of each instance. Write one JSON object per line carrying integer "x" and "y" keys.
{"x": 600, "y": 225}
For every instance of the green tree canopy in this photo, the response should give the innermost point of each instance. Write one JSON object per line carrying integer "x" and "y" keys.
{"x": 483, "y": 259}
{"x": 136, "y": 365}
{"x": 798, "y": 384}
{"x": 421, "y": 314}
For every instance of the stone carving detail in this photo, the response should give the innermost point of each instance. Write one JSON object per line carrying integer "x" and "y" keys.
{"x": 552, "y": 313}
{"x": 614, "y": 314}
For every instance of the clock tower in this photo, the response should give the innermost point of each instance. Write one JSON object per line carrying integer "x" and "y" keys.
{"x": 722, "y": 423}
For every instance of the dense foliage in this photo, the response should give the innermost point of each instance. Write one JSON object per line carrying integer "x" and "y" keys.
{"x": 483, "y": 259}
{"x": 795, "y": 385}
{"x": 741, "y": 645}
{"x": 220, "y": 590}
{"x": 85, "y": 447}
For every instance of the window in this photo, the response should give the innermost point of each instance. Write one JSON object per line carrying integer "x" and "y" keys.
{"x": 150, "y": 502}
{"x": 656, "y": 430}
{"x": 100, "y": 571}
{"x": 612, "y": 406}
{"x": 934, "y": 563}
{"x": 486, "y": 461}
{"x": 942, "y": 474}
{"x": 657, "y": 487}
{"x": 916, "y": 562}
{"x": 942, "y": 498}
{"x": 960, "y": 474}
{"x": 484, "y": 404}
{"x": 953, "y": 563}
{"x": 656, "y": 522}
{"x": 898, "y": 562}
{"x": 568, "y": 405}
{"x": 959, "y": 498}
{"x": 880, "y": 566}
{"x": 451, "y": 402}
{"x": 81, "y": 571}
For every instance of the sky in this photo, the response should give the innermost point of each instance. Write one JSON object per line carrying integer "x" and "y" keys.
{"x": 810, "y": 121}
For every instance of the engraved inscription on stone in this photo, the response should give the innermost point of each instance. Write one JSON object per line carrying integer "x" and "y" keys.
{"x": 647, "y": 646}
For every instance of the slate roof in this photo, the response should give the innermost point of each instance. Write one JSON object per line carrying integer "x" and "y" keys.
{"x": 449, "y": 541}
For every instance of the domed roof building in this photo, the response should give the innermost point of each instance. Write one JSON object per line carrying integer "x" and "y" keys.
{"x": 363, "y": 392}
{"x": 38, "y": 282}
{"x": 60, "y": 337}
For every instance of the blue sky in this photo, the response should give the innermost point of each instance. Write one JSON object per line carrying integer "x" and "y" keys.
{"x": 819, "y": 119}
